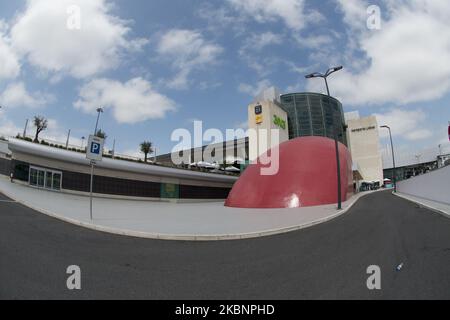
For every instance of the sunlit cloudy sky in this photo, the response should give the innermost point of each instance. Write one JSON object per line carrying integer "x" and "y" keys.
{"x": 159, "y": 65}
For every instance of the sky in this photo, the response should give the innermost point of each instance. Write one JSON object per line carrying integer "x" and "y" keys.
{"x": 156, "y": 66}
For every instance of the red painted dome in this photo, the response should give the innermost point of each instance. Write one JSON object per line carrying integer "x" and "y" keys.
{"x": 306, "y": 177}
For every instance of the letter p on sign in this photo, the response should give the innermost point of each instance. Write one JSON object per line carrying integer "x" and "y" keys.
{"x": 95, "y": 148}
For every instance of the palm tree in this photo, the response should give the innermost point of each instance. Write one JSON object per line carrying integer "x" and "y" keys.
{"x": 101, "y": 134}
{"x": 41, "y": 124}
{"x": 146, "y": 148}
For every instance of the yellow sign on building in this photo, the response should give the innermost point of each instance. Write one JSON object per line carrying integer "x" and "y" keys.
{"x": 258, "y": 119}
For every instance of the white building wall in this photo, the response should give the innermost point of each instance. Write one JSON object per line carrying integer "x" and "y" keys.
{"x": 434, "y": 185}
{"x": 261, "y": 137}
{"x": 363, "y": 140}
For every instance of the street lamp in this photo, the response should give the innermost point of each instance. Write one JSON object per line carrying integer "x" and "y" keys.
{"x": 393, "y": 158}
{"x": 338, "y": 162}
{"x": 99, "y": 110}
{"x": 324, "y": 76}
{"x": 82, "y": 142}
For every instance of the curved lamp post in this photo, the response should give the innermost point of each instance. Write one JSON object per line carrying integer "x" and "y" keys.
{"x": 393, "y": 158}
{"x": 324, "y": 76}
{"x": 99, "y": 110}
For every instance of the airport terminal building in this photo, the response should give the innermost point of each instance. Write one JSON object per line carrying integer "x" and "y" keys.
{"x": 292, "y": 115}
{"x": 301, "y": 115}
{"x": 61, "y": 170}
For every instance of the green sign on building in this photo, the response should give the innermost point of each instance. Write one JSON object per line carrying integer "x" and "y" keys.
{"x": 279, "y": 122}
{"x": 170, "y": 191}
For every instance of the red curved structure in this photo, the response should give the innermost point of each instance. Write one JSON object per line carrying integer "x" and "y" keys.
{"x": 306, "y": 177}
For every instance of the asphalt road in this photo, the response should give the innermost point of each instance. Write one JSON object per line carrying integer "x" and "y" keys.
{"x": 327, "y": 261}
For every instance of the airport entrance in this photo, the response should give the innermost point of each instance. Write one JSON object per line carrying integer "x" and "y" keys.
{"x": 45, "y": 178}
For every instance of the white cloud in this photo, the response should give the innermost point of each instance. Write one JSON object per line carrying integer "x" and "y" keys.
{"x": 355, "y": 14}
{"x": 241, "y": 125}
{"x": 442, "y": 136}
{"x": 9, "y": 66}
{"x": 187, "y": 51}
{"x": 130, "y": 102}
{"x": 314, "y": 42}
{"x": 41, "y": 34}
{"x": 250, "y": 52}
{"x": 221, "y": 20}
{"x": 16, "y": 95}
{"x": 136, "y": 153}
{"x": 56, "y": 133}
{"x": 291, "y": 12}
{"x": 8, "y": 128}
{"x": 406, "y": 61}
{"x": 405, "y": 123}
{"x": 257, "y": 42}
{"x": 254, "y": 90}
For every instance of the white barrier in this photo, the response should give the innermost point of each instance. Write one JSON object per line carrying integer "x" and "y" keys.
{"x": 434, "y": 185}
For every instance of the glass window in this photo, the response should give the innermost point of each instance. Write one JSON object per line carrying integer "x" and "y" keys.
{"x": 44, "y": 178}
{"x": 48, "y": 179}
{"x": 57, "y": 181}
{"x": 33, "y": 177}
{"x": 40, "y": 178}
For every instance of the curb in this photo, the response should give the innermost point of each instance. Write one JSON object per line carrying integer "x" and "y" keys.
{"x": 187, "y": 237}
{"x": 440, "y": 211}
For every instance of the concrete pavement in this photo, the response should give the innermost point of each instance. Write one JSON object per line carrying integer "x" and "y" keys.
{"x": 440, "y": 207}
{"x": 175, "y": 221}
{"x": 326, "y": 261}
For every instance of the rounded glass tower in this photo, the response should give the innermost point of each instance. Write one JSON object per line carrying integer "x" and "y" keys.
{"x": 314, "y": 114}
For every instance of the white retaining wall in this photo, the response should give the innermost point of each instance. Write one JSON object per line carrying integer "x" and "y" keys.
{"x": 434, "y": 185}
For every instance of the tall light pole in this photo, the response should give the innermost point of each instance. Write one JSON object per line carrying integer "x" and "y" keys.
{"x": 67, "y": 141}
{"x": 113, "y": 149}
{"x": 393, "y": 158}
{"x": 99, "y": 110}
{"x": 338, "y": 162}
{"x": 25, "y": 129}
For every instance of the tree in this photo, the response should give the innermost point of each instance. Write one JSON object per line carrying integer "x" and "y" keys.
{"x": 101, "y": 134}
{"x": 41, "y": 124}
{"x": 146, "y": 148}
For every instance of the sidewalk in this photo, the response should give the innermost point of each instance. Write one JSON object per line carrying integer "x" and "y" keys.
{"x": 174, "y": 221}
{"x": 433, "y": 205}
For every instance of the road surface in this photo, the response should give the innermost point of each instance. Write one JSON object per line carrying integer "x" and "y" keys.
{"x": 326, "y": 261}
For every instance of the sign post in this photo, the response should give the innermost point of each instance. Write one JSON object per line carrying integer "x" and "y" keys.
{"x": 94, "y": 152}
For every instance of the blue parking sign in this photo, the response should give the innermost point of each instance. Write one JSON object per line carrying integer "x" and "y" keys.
{"x": 94, "y": 150}
{"x": 95, "y": 147}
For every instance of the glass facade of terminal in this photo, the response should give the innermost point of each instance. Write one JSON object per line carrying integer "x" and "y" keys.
{"x": 314, "y": 114}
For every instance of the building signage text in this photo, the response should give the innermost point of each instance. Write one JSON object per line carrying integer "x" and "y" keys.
{"x": 364, "y": 129}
